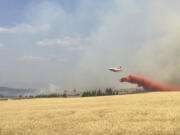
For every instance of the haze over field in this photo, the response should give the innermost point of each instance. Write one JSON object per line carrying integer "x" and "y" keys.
{"x": 60, "y": 44}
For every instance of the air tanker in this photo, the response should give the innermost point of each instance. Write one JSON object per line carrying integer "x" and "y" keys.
{"x": 116, "y": 69}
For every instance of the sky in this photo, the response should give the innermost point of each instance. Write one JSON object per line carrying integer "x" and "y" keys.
{"x": 69, "y": 44}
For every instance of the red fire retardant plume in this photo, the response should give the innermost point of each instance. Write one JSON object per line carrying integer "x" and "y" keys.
{"x": 148, "y": 84}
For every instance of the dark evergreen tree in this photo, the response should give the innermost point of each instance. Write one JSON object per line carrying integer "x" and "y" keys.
{"x": 99, "y": 93}
{"x": 64, "y": 95}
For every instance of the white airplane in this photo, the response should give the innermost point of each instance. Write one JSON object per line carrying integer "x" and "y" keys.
{"x": 116, "y": 69}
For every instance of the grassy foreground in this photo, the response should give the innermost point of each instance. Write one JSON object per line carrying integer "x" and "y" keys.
{"x": 155, "y": 113}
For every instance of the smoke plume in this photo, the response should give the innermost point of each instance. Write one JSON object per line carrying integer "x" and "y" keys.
{"x": 148, "y": 84}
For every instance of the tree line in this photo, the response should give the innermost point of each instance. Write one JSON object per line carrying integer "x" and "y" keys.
{"x": 99, "y": 92}
{"x": 74, "y": 93}
{"x": 64, "y": 95}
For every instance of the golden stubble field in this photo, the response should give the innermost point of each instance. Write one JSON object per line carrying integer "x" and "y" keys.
{"x": 155, "y": 113}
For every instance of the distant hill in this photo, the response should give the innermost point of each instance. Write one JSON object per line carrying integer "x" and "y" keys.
{"x": 14, "y": 92}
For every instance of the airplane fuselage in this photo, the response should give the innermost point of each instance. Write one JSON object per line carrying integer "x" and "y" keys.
{"x": 115, "y": 69}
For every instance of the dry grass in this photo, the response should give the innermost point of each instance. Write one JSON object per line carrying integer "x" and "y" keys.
{"x": 139, "y": 114}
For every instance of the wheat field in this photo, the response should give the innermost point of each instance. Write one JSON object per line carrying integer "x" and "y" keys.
{"x": 156, "y": 113}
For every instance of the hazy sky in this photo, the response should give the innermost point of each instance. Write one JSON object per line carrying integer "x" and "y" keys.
{"x": 41, "y": 41}
{"x": 66, "y": 44}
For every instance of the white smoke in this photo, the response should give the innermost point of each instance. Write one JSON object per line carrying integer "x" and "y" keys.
{"x": 115, "y": 43}
{"x": 160, "y": 57}
{"x": 142, "y": 37}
